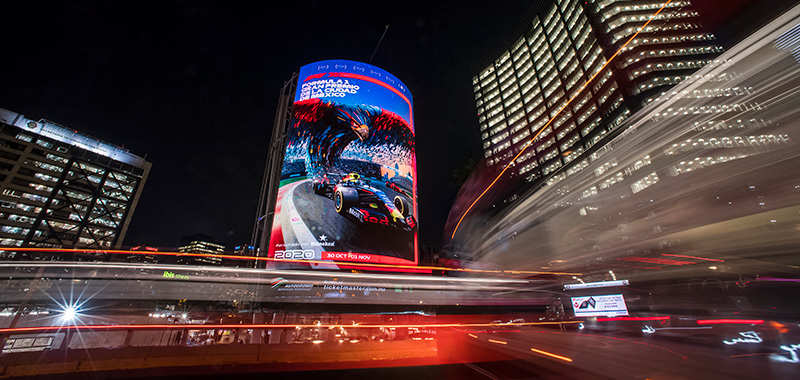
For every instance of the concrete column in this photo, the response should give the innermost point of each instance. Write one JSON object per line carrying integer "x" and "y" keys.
{"x": 255, "y": 337}
{"x": 275, "y": 334}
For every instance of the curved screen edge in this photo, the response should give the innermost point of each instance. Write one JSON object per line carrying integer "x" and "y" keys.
{"x": 348, "y": 182}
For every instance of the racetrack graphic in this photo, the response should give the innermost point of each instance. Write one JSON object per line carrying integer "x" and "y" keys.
{"x": 309, "y": 222}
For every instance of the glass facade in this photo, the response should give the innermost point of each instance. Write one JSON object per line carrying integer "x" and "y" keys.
{"x": 542, "y": 77}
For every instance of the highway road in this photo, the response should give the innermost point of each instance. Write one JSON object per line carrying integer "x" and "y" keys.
{"x": 133, "y": 281}
{"x": 690, "y": 354}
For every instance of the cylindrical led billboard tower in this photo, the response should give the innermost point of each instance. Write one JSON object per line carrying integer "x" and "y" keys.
{"x": 348, "y": 181}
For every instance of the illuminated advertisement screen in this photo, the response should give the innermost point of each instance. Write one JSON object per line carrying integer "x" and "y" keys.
{"x": 348, "y": 190}
{"x": 599, "y": 306}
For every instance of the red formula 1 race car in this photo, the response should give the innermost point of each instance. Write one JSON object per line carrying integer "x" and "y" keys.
{"x": 358, "y": 198}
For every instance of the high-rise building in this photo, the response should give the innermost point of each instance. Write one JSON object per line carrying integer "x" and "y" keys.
{"x": 704, "y": 176}
{"x": 541, "y": 76}
{"x": 62, "y": 188}
{"x": 202, "y": 244}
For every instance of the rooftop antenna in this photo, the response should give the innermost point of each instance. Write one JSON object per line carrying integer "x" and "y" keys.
{"x": 379, "y": 43}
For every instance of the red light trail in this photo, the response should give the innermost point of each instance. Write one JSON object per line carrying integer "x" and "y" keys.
{"x": 692, "y": 257}
{"x": 367, "y": 266}
{"x": 730, "y": 321}
{"x": 257, "y": 326}
{"x": 664, "y": 318}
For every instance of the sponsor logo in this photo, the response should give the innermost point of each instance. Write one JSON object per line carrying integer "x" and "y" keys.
{"x": 281, "y": 283}
{"x": 357, "y": 213}
{"x": 278, "y": 281}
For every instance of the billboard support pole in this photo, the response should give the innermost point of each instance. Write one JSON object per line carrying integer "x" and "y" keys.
{"x": 272, "y": 171}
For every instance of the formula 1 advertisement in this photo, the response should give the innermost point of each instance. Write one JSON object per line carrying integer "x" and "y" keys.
{"x": 347, "y": 190}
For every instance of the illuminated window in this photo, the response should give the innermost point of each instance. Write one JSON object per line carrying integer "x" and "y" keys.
{"x": 11, "y": 242}
{"x": 521, "y": 62}
{"x": 516, "y": 127}
{"x": 56, "y": 158}
{"x": 569, "y": 142}
{"x": 551, "y": 89}
{"x": 34, "y": 197}
{"x": 523, "y": 71}
{"x": 15, "y": 230}
{"x": 520, "y": 137}
{"x": 585, "y": 131}
{"x": 508, "y": 87}
{"x": 571, "y": 68}
{"x": 544, "y": 145}
{"x": 46, "y": 166}
{"x": 539, "y": 124}
{"x": 569, "y": 58}
{"x": 533, "y": 101}
{"x": 587, "y": 114}
{"x": 552, "y": 167}
{"x": 548, "y": 20}
{"x": 513, "y": 108}
{"x": 563, "y": 132}
{"x": 515, "y": 117}
{"x": 573, "y": 155}
{"x": 41, "y": 187}
{"x": 487, "y": 91}
{"x": 582, "y": 102}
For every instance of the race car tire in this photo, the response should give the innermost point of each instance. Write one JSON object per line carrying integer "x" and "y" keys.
{"x": 344, "y": 198}
{"x": 401, "y": 205}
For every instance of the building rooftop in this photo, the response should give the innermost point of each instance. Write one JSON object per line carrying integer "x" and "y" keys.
{"x": 61, "y": 133}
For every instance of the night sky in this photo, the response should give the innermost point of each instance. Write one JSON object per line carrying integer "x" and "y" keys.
{"x": 193, "y": 87}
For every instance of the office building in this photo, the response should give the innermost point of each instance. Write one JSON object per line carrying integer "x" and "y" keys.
{"x": 697, "y": 180}
{"x": 540, "y": 77}
{"x": 204, "y": 245}
{"x": 62, "y": 188}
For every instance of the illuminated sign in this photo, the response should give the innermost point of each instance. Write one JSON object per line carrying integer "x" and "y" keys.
{"x": 602, "y": 284}
{"x": 177, "y": 276}
{"x": 596, "y": 306}
{"x": 791, "y": 349}
{"x": 57, "y": 132}
{"x": 745, "y": 337}
{"x": 348, "y": 182}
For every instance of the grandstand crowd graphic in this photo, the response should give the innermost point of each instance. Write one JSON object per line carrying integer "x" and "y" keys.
{"x": 347, "y": 191}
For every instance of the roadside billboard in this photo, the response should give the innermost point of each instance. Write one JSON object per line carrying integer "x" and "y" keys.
{"x": 599, "y": 306}
{"x": 348, "y": 182}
